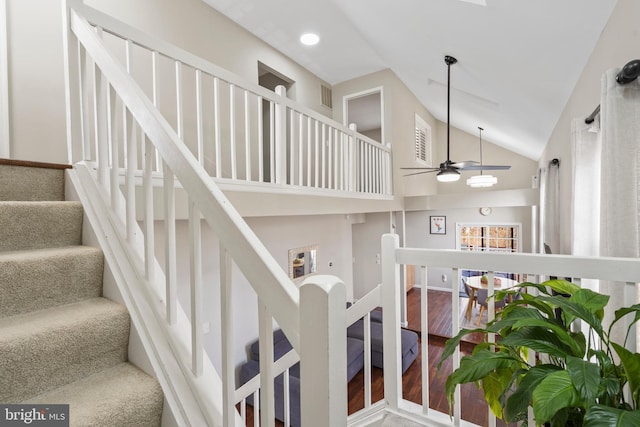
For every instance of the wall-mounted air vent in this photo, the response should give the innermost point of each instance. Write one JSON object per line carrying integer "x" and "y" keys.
{"x": 326, "y": 96}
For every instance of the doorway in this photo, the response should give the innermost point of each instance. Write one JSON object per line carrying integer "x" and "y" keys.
{"x": 366, "y": 110}
{"x": 270, "y": 79}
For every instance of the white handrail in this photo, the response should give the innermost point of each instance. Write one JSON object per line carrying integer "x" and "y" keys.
{"x": 625, "y": 271}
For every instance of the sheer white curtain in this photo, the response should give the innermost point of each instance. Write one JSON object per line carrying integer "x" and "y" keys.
{"x": 550, "y": 209}
{"x": 619, "y": 215}
{"x": 586, "y": 153}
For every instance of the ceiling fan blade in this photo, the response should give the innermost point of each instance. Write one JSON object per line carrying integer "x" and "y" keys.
{"x": 485, "y": 167}
{"x": 465, "y": 164}
{"x": 421, "y": 168}
{"x": 421, "y": 172}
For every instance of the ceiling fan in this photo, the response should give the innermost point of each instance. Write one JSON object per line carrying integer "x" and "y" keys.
{"x": 449, "y": 171}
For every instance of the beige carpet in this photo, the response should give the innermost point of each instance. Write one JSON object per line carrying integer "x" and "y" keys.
{"x": 60, "y": 340}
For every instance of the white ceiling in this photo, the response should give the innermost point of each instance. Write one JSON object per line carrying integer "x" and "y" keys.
{"x": 519, "y": 60}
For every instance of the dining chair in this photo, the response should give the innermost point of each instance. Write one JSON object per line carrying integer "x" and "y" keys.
{"x": 482, "y": 295}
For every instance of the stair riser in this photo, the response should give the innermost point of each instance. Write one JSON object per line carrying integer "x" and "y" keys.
{"x": 37, "y": 225}
{"x": 37, "y": 280}
{"x": 38, "y": 360}
{"x": 30, "y": 183}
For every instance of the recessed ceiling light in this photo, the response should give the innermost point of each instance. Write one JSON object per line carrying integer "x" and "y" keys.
{"x": 309, "y": 39}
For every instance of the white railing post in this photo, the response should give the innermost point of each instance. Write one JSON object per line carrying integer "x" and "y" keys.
{"x": 323, "y": 356}
{"x": 353, "y": 161}
{"x": 391, "y": 321}
{"x": 72, "y": 88}
{"x": 281, "y": 138}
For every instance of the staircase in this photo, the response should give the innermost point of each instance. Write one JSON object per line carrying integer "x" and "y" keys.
{"x": 60, "y": 340}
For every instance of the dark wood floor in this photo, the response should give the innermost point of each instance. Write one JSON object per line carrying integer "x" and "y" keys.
{"x": 474, "y": 408}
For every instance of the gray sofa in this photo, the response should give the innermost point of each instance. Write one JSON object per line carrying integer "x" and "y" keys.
{"x": 355, "y": 361}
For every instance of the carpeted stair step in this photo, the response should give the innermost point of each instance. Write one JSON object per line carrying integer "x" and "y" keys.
{"x": 45, "y": 349}
{"x": 37, "y": 225}
{"x": 44, "y": 278}
{"x": 31, "y": 183}
{"x": 122, "y": 396}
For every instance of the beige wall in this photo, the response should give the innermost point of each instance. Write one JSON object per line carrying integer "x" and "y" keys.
{"x": 465, "y": 147}
{"x": 400, "y": 107}
{"x": 618, "y": 45}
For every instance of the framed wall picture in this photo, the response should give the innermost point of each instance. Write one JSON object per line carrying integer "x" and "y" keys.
{"x": 438, "y": 224}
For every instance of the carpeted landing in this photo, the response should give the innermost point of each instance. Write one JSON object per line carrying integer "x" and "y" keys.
{"x": 61, "y": 342}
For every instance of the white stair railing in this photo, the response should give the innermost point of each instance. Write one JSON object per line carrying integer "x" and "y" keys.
{"x": 114, "y": 127}
{"x": 528, "y": 267}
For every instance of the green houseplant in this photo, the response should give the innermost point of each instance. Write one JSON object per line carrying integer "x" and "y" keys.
{"x": 577, "y": 378}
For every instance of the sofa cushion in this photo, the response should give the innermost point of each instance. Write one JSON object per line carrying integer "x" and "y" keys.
{"x": 281, "y": 346}
{"x": 408, "y": 339}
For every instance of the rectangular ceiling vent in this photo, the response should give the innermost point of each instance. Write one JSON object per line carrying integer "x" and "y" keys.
{"x": 326, "y": 96}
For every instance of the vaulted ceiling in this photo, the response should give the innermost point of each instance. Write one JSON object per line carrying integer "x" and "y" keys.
{"x": 519, "y": 60}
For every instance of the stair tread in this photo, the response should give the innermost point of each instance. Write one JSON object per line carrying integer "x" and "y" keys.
{"x": 43, "y": 321}
{"x": 32, "y": 280}
{"x": 45, "y": 349}
{"x": 122, "y": 395}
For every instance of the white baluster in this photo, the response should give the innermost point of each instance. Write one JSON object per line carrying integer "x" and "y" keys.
{"x": 197, "y": 350}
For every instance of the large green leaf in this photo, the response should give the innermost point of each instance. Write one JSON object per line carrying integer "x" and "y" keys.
{"x": 576, "y": 310}
{"x": 553, "y": 327}
{"x": 623, "y": 312}
{"x": 452, "y": 343}
{"x": 631, "y": 364}
{"x": 518, "y": 403}
{"x": 586, "y": 379}
{"x": 477, "y": 367}
{"x": 493, "y": 386}
{"x": 562, "y": 286}
{"x": 592, "y": 301}
{"x": 554, "y": 393}
{"x": 604, "y": 416}
{"x": 538, "y": 339}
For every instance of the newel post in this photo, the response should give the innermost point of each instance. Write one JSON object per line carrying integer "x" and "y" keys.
{"x": 323, "y": 352}
{"x": 280, "y": 124}
{"x": 391, "y": 321}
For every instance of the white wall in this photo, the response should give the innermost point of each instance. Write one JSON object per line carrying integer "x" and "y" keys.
{"x": 36, "y": 83}
{"x": 36, "y": 79}
{"x": 617, "y": 45}
{"x": 367, "y": 272}
{"x": 332, "y": 234}
{"x": 418, "y": 235}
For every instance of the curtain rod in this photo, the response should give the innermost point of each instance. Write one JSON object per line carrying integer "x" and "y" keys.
{"x": 629, "y": 73}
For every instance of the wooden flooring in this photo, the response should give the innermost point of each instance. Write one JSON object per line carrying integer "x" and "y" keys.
{"x": 474, "y": 408}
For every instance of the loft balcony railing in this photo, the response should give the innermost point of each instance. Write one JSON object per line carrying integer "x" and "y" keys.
{"x": 244, "y": 133}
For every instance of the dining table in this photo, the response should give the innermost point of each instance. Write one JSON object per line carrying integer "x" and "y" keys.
{"x": 475, "y": 282}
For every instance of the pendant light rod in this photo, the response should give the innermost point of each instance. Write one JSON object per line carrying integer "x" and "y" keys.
{"x": 480, "y": 149}
{"x": 449, "y": 60}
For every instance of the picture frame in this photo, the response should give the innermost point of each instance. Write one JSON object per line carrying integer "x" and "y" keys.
{"x": 438, "y": 224}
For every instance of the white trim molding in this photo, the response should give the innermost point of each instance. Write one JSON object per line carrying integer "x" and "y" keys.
{"x": 5, "y": 136}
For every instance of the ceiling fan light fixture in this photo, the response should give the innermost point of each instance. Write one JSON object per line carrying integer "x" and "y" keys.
{"x": 448, "y": 175}
{"x": 481, "y": 181}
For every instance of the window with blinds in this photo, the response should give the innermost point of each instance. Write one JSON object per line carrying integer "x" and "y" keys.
{"x": 489, "y": 238}
{"x": 423, "y": 141}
